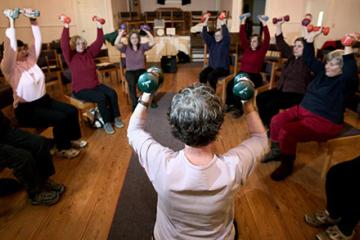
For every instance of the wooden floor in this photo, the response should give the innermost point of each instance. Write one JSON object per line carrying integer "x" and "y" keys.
{"x": 264, "y": 209}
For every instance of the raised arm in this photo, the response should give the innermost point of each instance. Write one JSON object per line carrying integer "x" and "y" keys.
{"x": 255, "y": 147}
{"x": 118, "y": 44}
{"x": 281, "y": 45}
{"x": 65, "y": 42}
{"x": 37, "y": 39}
{"x": 225, "y": 33}
{"x": 95, "y": 47}
{"x": 149, "y": 151}
{"x": 314, "y": 64}
{"x": 10, "y": 49}
{"x": 266, "y": 42}
{"x": 151, "y": 38}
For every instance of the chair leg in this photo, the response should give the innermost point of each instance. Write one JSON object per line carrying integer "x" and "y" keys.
{"x": 328, "y": 154}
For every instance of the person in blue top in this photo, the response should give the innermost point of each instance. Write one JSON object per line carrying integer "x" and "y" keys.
{"x": 320, "y": 114}
{"x": 218, "y": 47}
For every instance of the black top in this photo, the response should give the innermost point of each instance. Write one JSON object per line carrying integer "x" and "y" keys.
{"x": 326, "y": 96}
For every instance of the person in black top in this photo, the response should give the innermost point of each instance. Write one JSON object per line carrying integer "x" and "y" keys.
{"x": 320, "y": 115}
{"x": 29, "y": 157}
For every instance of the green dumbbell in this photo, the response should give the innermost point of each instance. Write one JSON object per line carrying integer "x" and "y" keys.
{"x": 157, "y": 72}
{"x": 148, "y": 82}
{"x": 243, "y": 87}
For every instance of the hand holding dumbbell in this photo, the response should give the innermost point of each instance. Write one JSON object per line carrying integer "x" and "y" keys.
{"x": 30, "y": 13}
{"x": 65, "y": 19}
{"x": 286, "y": 18}
{"x": 222, "y": 15}
{"x": 12, "y": 13}
{"x": 145, "y": 28}
{"x": 244, "y": 15}
{"x": 307, "y": 20}
{"x": 150, "y": 81}
{"x": 263, "y": 19}
{"x": 350, "y": 39}
{"x": 243, "y": 87}
{"x": 205, "y": 17}
{"x": 98, "y": 19}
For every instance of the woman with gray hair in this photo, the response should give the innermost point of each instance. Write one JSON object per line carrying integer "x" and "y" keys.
{"x": 320, "y": 114}
{"x": 195, "y": 186}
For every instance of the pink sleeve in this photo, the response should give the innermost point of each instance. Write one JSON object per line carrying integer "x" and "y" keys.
{"x": 151, "y": 154}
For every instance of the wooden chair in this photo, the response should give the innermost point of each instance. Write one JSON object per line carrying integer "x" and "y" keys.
{"x": 349, "y": 136}
{"x": 82, "y": 106}
{"x": 104, "y": 66}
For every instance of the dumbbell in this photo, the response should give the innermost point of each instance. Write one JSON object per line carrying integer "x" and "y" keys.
{"x": 98, "y": 19}
{"x": 30, "y": 13}
{"x": 150, "y": 81}
{"x": 222, "y": 15}
{"x": 203, "y": 17}
{"x": 312, "y": 28}
{"x": 263, "y": 17}
{"x": 12, "y": 13}
{"x": 276, "y": 20}
{"x": 65, "y": 19}
{"x": 350, "y": 38}
{"x": 145, "y": 27}
{"x": 122, "y": 26}
{"x": 244, "y": 15}
{"x": 243, "y": 87}
{"x": 307, "y": 20}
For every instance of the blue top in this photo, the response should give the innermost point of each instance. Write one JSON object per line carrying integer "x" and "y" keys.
{"x": 218, "y": 51}
{"x": 326, "y": 96}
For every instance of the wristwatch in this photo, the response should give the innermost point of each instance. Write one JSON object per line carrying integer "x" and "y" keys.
{"x": 145, "y": 104}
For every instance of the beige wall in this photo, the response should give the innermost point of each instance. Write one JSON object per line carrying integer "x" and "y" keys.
{"x": 151, "y": 5}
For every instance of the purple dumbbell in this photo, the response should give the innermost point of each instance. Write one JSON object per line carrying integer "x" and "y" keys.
{"x": 145, "y": 27}
{"x": 123, "y": 26}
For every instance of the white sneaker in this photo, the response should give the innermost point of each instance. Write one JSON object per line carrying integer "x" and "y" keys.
{"x": 108, "y": 128}
{"x": 118, "y": 123}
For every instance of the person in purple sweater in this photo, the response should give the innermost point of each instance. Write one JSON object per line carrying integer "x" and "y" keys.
{"x": 320, "y": 114}
{"x": 218, "y": 53}
{"x": 135, "y": 59}
{"x": 85, "y": 83}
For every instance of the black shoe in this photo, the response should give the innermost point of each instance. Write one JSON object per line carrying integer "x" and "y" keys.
{"x": 284, "y": 170}
{"x": 9, "y": 186}
{"x": 274, "y": 154}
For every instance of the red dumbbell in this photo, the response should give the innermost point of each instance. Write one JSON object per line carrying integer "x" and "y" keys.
{"x": 307, "y": 20}
{"x": 325, "y": 31}
{"x": 276, "y": 20}
{"x": 312, "y": 28}
{"x": 65, "y": 19}
{"x": 203, "y": 17}
{"x": 222, "y": 15}
{"x": 350, "y": 39}
{"x": 99, "y": 20}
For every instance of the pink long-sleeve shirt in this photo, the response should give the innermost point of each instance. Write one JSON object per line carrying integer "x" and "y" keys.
{"x": 25, "y": 77}
{"x": 82, "y": 65}
{"x": 194, "y": 202}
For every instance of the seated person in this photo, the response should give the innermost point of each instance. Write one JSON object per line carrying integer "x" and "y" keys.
{"x": 218, "y": 48}
{"x": 320, "y": 114}
{"x": 293, "y": 81}
{"x": 85, "y": 83}
{"x": 196, "y": 187}
{"x": 29, "y": 157}
{"x": 251, "y": 62}
{"x": 33, "y": 107}
{"x": 135, "y": 59}
{"x": 342, "y": 212}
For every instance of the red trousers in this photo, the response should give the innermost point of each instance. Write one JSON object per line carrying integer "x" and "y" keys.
{"x": 297, "y": 124}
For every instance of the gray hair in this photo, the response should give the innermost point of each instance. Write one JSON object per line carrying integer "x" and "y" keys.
{"x": 336, "y": 55}
{"x": 196, "y": 115}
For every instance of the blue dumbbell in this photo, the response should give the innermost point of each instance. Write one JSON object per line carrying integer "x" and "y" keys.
{"x": 244, "y": 15}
